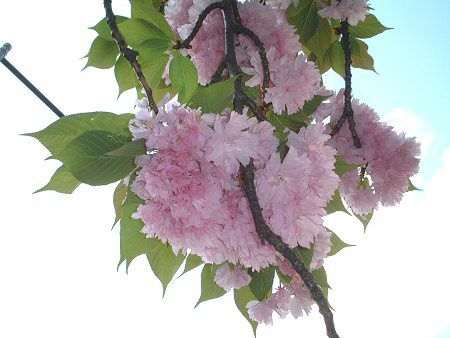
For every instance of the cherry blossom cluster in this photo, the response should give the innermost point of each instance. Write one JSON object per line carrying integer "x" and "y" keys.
{"x": 387, "y": 159}
{"x": 190, "y": 183}
{"x": 293, "y": 297}
{"x": 293, "y": 79}
{"x": 352, "y": 10}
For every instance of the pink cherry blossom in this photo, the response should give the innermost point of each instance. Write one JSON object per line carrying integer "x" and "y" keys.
{"x": 231, "y": 277}
{"x": 260, "y": 312}
{"x": 322, "y": 246}
{"x": 292, "y": 298}
{"x": 231, "y": 143}
{"x": 389, "y": 159}
{"x": 352, "y": 10}
{"x": 294, "y": 83}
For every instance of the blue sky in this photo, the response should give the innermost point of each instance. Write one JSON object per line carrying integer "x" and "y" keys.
{"x": 444, "y": 334}
{"x": 412, "y": 61}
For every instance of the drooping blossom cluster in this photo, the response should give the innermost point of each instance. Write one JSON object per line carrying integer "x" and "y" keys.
{"x": 191, "y": 201}
{"x": 293, "y": 298}
{"x": 293, "y": 79}
{"x": 389, "y": 159}
{"x": 352, "y": 10}
{"x": 193, "y": 198}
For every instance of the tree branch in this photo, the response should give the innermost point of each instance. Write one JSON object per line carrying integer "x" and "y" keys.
{"x": 232, "y": 22}
{"x": 348, "y": 110}
{"x": 219, "y": 72}
{"x": 266, "y": 234}
{"x": 261, "y": 51}
{"x": 128, "y": 53}
{"x": 186, "y": 43}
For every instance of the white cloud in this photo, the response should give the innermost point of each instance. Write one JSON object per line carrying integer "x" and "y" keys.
{"x": 405, "y": 121}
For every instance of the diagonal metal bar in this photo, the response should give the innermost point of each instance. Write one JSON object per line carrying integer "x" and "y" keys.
{"x": 3, "y": 52}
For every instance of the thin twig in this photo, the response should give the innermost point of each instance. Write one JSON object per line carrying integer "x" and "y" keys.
{"x": 128, "y": 53}
{"x": 347, "y": 114}
{"x": 219, "y": 72}
{"x": 186, "y": 43}
{"x": 261, "y": 51}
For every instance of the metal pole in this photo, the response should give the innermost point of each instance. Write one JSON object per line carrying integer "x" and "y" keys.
{"x": 3, "y": 52}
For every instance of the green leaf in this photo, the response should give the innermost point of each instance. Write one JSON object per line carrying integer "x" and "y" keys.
{"x": 163, "y": 261}
{"x": 341, "y": 167}
{"x": 310, "y": 106}
{"x": 297, "y": 120}
{"x": 136, "y": 31}
{"x": 61, "y": 132}
{"x": 355, "y": 48}
{"x": 368, "y": 28}
{"x": 337, "y": 244}
{"x": 320, "y": 277}
{"x": 151, "y": 49}
{"x": 214, "y": 98}
{"x": 154, "y": 69}
{"x": 262, "y": 282}
{"x": 321, "y": 40}
{"x": 183, "y": 76}
{"x": 120, "y": 194}
{"x": 103, "y": 54}
{"x": 324, "y": 63}
{"x": 305, "y": 254}
{"x": 86, "y": 158}
{"x": 412, "y": 187}
{"x": 252, "y": 92}
{"x": 305, "y": 19}
{"x": 337, "y": 58}
{"x": 210, "y": 290}
{"x": 242, "y": 297}
{"x": 281, "y": 122}
{"x": 131, "y": 149}
{"x": 103, "y": 29}
{"x": 132, "y": 242}
{"x": 192, "y": 261}
{"x": 125, "y": 75}
{"x": 160, "y": 93}
{"x": 282, "y": 277}
{"x": 365, "y": 219}
{"x": 362, "y": 59}
{"x": 144, "y": 9}
{"x": 336, "y": 204}
{"x": 62, "y": 181}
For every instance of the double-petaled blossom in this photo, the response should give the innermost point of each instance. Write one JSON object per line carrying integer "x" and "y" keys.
{"x": 231, "y": 277}
{"x": 293, "y": 298}
{"x": 388, "y": 159}
{"x": 352, "y": 10}
{"x": 321, "y": 249}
